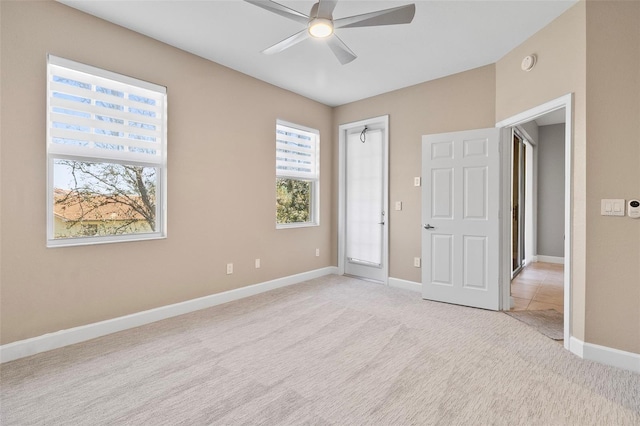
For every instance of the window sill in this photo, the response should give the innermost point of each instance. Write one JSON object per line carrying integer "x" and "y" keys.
{"x": 296, "y": 225}
{"x": 90, "y": 241}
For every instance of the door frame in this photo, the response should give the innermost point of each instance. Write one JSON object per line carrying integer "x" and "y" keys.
{"x": 343, "y": 129}
{"x": 566, "y": 102}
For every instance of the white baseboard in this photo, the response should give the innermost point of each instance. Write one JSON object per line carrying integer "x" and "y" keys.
{"x": 405, "y": 285}
{"x": 46, "y": 342}
{"x": 605, "y": 355}
{"x": 576, "y": 346}
{"x": 549, "y": 259}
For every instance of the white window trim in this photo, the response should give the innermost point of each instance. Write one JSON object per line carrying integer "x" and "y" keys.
{"x": 315, "y": 186}
{"x": 161, "y": 165}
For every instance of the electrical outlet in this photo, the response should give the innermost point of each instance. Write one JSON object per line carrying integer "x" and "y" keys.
{"x": 229, "y": 268}
{"x": 257, "y": 263}
{"x": 317, "y": 252}
{"x": 416, "y": 262}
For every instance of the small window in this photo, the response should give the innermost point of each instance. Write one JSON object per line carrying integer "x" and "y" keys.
{"x": 106, "y": 156}
{"x": 297, "y": 175}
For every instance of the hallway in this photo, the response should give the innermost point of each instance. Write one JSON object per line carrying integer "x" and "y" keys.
{"x": 539, "y": 286}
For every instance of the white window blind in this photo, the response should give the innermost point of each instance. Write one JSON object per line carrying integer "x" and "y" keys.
{"x": 93, "y": 113}
{"x": 296, "y": 152}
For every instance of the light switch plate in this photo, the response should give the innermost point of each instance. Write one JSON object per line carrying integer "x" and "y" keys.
{"x": 416, "y": 181}
{"x": 612, "y": 207}
{"x": 398, "y": 205}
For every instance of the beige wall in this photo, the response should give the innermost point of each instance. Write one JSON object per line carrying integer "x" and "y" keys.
{"x": 221, "y": 180}
{"x": 593, "y": 51}
{"x": 458, "y": 102}
{"x": 561, "y": 51}
{"x": 613, "y": 171}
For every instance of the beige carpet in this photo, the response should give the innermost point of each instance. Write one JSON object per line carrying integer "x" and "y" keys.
{"x": 334, "y": 350}
{"x": 548, "y": 321}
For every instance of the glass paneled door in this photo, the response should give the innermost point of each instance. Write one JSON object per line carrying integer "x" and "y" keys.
{"x": 518, "y": 191}
{"x": 364, "y": 192}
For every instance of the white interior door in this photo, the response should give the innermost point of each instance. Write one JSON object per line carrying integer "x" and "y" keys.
{"x": 460, "y": 216}
{"x": 363, "y": 196}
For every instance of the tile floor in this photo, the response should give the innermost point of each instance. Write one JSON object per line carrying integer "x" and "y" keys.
{"x": 539, "y": 286}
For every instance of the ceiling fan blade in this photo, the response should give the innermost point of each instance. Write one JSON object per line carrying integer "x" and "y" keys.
{"x": 287, "y": 42}
{"x": 393, "y": 16}
{"x": 325, "y": 8}
{"x": 342, "y": 52}
{"x": 281, "y": 10}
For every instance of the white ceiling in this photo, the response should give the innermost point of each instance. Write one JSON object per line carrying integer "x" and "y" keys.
{"x": 445, "y": 37}
{"x": 554, "y": 117}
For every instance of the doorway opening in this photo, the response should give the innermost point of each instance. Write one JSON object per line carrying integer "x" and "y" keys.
{"x": 537, "y": 283}
{"x": 363, "y": 237}
{"x": 535, "y": 228}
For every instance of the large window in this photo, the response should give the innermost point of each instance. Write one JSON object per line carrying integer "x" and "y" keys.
{"x": 106, "y": 156}
{"x": 297, "y": 175}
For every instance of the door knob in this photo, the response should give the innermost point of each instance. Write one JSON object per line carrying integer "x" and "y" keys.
{"x": 427, "y": 226}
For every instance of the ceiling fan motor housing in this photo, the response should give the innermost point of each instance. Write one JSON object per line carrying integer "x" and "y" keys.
{"x": 314, "y": 13}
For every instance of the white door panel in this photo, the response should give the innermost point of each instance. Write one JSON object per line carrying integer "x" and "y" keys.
{"x": 442, "y": 259}
{"x": 460, "y": 205}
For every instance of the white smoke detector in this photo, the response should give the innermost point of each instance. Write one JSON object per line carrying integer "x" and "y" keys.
{"x": 528, "y": 63}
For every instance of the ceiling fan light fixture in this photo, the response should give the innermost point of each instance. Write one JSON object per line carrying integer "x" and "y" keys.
{"x": 320, "y": 28}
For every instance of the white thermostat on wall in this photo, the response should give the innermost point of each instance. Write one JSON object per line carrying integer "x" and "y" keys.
{"x": 633, "y": 209}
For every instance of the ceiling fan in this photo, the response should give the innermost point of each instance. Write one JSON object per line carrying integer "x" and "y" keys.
{"x": 320, "y": 24}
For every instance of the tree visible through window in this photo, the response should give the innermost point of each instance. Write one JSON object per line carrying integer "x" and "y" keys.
{"x": 293, "y": 200}
{"x": 297, "y": 175}
{"x": 99, "y": 199}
